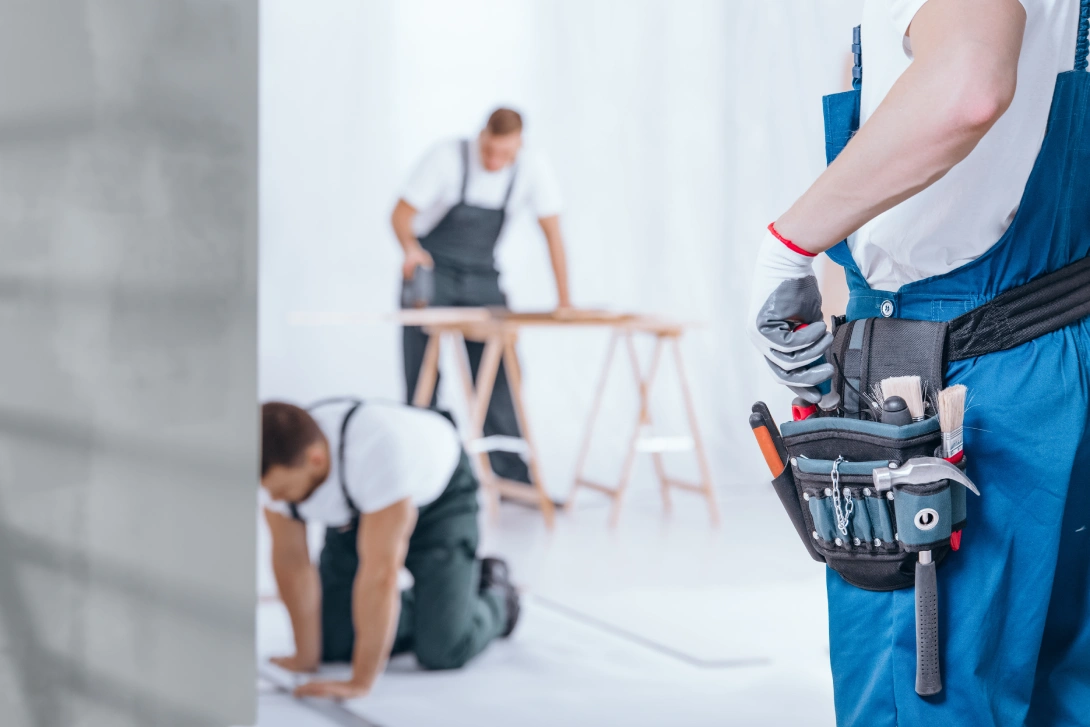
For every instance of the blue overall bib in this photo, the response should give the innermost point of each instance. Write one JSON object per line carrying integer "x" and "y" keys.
{"x": 1014, "y": 602}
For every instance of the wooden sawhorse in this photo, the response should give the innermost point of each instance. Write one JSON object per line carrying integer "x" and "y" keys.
{"x": 499, "y": 336}
{"x": 666, "y": 335}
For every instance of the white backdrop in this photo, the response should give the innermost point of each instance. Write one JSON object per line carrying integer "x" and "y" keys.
{"x": 677, "y": 129}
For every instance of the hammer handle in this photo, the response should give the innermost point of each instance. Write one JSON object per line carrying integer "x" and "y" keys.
{"x": 928, "y": 676}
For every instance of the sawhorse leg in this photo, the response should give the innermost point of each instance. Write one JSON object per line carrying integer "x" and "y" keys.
{"x": 644, "y": 420}
{"x": 429, "y": 372}
{"x": 705, "y": 486}
{"x": 499, "y": 349}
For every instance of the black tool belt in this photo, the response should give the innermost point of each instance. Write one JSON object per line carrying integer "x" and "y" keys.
{"x": 872, "y": 538}
{"x": 868, "y": 350}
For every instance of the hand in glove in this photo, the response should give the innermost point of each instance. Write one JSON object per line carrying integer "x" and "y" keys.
{"x": 784, "y": 319}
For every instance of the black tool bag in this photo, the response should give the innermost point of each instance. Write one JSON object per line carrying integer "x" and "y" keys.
{"x": 872, "y": 538}
{"x": 869, "y": 537}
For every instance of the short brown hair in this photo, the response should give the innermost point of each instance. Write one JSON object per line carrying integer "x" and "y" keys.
{"x": 286, "y": 432}
{"x": 503, "y": 122}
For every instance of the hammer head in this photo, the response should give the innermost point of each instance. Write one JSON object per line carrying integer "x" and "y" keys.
{"x": 920, "y": 471}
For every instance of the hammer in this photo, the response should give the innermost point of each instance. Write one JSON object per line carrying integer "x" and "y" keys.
{"x": 921, "y": 471}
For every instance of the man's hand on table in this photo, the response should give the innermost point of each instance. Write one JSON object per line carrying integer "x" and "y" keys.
{"x": 564, "y": 310}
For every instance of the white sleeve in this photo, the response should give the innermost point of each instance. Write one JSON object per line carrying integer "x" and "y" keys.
{"x": 544, "y": 192}
{"x": 280, "y": 508}
{"x": 433, "y": 175}
{"x": 381, "y": 473}
{"x": 901, "y": 13}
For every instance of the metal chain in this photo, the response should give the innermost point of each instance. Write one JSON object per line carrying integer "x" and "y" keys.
{"x": 843, "y": 513}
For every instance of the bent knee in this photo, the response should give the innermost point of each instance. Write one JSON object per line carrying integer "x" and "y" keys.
{"x": 440, "y": 656}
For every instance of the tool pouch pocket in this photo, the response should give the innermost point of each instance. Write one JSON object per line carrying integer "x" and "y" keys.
{"x": 870, "y": 538}
{"x": 868, "y": 350}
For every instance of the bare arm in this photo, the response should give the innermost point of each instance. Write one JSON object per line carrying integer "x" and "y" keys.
{"x": 551, "y": 227}
{"x": 962, "y": 79}
{"x": 376, "y": 601}
{"x": 402, "y": 222}
{"x": 300, "y": 589}
{"x": 383, "y": 544}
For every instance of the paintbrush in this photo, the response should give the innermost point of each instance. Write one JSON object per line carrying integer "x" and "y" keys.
{"x": 909, "y": 389}
{"x": 951, "y": 421}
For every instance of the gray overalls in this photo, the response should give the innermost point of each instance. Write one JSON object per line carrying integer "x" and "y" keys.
{"x": 445, "y": 621}
{"x": 463, "y": 246}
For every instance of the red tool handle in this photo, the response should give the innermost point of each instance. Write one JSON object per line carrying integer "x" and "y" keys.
{"x": 802, "y": 409}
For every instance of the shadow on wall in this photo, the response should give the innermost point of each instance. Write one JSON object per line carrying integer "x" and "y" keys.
{"x": 128, "y": 144}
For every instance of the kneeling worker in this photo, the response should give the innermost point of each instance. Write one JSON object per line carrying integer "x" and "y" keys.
{"x": 393, "y": 488}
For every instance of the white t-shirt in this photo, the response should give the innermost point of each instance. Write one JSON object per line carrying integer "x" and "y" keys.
{"x": 436, "y": 184}
{"x": 392, "y": 452}
{"x": 961, "y": 216}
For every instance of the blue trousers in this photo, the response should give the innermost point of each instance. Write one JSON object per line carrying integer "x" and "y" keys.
{"x": 1014, "y": 602}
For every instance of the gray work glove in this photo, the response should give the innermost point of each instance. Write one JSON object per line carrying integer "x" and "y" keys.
{"x": 784, "y": 319}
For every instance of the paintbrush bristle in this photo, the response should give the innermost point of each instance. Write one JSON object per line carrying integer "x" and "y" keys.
{"x": 952, "y": 408}
{"x": 909, "y": 389}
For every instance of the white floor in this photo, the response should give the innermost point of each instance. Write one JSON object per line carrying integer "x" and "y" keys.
{"x": 664, "y": 621}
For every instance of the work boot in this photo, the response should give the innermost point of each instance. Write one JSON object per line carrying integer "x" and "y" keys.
{"x": 510, "y": 596}
{"x": 494, "y": 572}
{"x": 496, "y": 576}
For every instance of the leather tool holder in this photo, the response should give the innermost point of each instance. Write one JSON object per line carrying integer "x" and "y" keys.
{"x": 871, "y": 538}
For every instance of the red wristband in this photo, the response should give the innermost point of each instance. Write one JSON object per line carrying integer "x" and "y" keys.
{"x": 790, "y": 245}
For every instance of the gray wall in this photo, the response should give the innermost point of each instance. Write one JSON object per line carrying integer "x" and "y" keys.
{"x": 128, "y": 419}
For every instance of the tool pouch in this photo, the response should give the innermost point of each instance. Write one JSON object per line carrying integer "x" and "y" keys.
{"x": 870, "y": 538}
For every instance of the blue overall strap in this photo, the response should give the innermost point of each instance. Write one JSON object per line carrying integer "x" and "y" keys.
{"x": 340, "y": 459}
{"x": 841, "y": 112}
{"x": 1082, "y": 46}
{"x": 857, "y": 54}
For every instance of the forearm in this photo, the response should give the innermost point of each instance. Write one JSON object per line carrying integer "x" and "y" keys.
{"x": 376, "y": 605}
{"x": 402, "y": 222}
{"x": 932, "y": 118}
{"x": 560, "y": 270}
{"x": 559, "y": 259}
{"x": 300, "y": 590}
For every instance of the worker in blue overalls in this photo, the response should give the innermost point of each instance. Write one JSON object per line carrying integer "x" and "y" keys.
{"x": 449, "y": 218}
{"x": 968, "y": 176}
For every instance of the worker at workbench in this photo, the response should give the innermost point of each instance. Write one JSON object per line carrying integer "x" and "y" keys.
{"x": 966, "y": 179}
{"x": 449, "y": 218}
{"x": 393, "y": 488}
